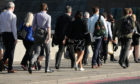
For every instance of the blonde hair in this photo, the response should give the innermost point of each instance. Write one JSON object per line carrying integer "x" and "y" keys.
{"x": 134, "y": 17}
{"x": 28, "y": 21}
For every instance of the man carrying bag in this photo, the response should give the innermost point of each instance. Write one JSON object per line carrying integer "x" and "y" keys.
{"x": 42, "y": 28}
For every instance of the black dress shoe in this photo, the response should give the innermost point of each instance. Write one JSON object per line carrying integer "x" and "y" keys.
{"x": 122, "y": 65}
{"x": 49, "y": 71}
{"x": 113, "y": 60}
{"x": 57, "y": 67}
{"x": 11, "y": 71}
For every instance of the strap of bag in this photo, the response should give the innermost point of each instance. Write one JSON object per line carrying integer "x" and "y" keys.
{"x": 99, "y": 18}
{"x": 36, "y": 21}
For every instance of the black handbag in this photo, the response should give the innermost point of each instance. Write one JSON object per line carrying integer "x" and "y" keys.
{"x": 22, "y": 33}
{"x": 89, "y": 38}
{"x": 40, "y": 35}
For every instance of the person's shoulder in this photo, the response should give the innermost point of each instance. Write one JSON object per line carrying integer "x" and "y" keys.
{"x": 48, "y": 15}
{"x": 108, "y": 22}
{"x": 14, "y": 15}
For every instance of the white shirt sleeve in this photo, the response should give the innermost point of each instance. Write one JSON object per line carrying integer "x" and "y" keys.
{"x": 105, "y": 24}
{"x": 109, "y": 29}
{"x": 14, "y": 28}
{"x": 49, "y": 22}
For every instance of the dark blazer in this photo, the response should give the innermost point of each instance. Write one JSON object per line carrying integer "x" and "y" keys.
{"x": 62, "y": 24}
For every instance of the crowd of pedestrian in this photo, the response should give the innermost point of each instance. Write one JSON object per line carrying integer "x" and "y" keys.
{"x": 74, "y": 34}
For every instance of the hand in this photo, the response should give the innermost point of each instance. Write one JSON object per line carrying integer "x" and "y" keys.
{"x": 47, "y": 41}
{"x": 15, "y": 41}
{"x": 105, "y": 38}
{"x": 64, "y": 42}
{"x": 114, "y": 41}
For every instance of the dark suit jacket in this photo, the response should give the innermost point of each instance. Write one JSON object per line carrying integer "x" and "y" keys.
{"x": 62, "y": 25}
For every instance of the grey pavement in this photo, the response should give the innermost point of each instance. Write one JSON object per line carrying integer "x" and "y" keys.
{"x": 66, "y": 75}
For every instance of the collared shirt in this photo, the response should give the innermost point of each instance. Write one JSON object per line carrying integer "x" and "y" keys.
{"x": 109, "y": 29}
{"x": 42, "y": 20}
{"x": 8, "y": 23}
{"x": 91, "y": 23}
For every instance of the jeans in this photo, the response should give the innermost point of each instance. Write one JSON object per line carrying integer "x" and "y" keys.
{"x": 28, "y": 46}
{"x": 125, "y": 46}
{"x": 96, "y": 49}
{"x": 9, "y": 44}
{"x": 37, "y": 50}
{"x": 104, "y": 49}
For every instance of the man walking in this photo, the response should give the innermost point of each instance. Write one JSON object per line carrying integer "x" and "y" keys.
{"x": 62, "y": 25}
{"x": 42, "y": 20}
{"x": 9, "y": 34}
{"x": 97, "y": 26}
{"x": 124, "y": 31}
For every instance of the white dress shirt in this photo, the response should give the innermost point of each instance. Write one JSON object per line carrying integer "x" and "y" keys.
{"x": 109, "y": 29}
{"x": 91, "y": 23}
{"x": 8, "y": 22}
{"x": 43, "y": 20}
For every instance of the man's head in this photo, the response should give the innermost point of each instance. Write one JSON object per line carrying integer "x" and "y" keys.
{"x": 43, "y": 7}
{"x": 126, "y": 11}
{"x": 130, "y": 11}
{"x": 95, "y": 10}
{"x": 86, "y": 15}
{"x": 105, "y": 15}
{"x": 68, "y": 9}
{"x": 11, "y": 6}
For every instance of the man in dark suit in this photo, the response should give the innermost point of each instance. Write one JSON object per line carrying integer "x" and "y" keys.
{"x": 62, "y": 25}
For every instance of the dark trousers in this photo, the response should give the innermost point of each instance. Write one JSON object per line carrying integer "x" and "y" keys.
{"x": 9, "y": 44}
{"x": 96, "y": 49}
{"x": 85, "y": 57}
{"x": 28, "y": 46}
{"x": 125, "y": 46}
{"x": 59, "y": 55}
{"x": 60, "y": 52}
{"x": 104, "y": 50}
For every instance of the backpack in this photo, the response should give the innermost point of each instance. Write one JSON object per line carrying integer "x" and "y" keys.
{"x": 99, "y": 28}
{"x": 127, "y": 26}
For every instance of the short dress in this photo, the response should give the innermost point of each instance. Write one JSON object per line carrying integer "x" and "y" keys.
{"x": 79, "y": 45}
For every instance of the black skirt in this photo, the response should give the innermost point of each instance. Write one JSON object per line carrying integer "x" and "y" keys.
{"x": 79, "y": 45}
{"x": 135, "y": 40}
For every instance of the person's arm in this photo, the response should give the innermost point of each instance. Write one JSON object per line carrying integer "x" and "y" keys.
{"x": 34, "y": 22}
{"x": 48, "y": 29}
{"x": 14, "y": 28}
{"x": 105, "y": 25}
{"x": 109, "y": 30}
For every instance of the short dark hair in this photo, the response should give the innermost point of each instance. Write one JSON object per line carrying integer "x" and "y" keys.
{"x": 126, "y": 11}
{"x": 43, "y": 6}
{"x": 78, "y": 14}
{"x": 95, "y": 9}
{"x": 104, "y": 14}
{"x": 130, "y": 11}
{"x": 68, "y": 9}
